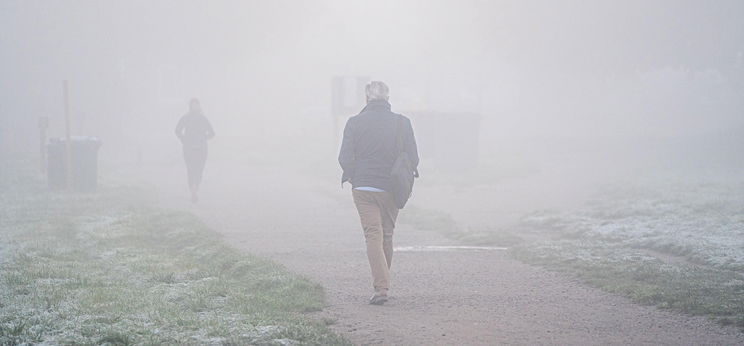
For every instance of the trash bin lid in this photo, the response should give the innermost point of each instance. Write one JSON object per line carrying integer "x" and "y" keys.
{"x": 84, "y": 139}
{"x": 76, "y": 140}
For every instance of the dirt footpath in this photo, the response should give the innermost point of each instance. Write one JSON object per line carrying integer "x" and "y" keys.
{"x": 463, "y": 297}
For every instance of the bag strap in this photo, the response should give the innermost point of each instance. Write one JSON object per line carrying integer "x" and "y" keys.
{"x": 399, "y": 124}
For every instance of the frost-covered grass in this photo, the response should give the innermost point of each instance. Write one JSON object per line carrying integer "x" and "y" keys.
{"x": 702, "y": 223}
{"x": 677, "y": 245}
{"x": 107, "y": 269}
{"x": 674, "y": 245}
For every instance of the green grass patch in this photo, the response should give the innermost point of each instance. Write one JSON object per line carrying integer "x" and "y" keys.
{"x": 441, "y": 222}
{"x": 106, "y": 268}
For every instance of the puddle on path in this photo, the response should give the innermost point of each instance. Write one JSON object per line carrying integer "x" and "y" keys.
{"x": 448, "y": 248}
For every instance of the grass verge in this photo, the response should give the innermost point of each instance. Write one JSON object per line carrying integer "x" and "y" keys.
{"x": 678, "y": 246}
{"x": 107, "y": 269}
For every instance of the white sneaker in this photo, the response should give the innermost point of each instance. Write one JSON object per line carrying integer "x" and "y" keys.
{"x": 378, "y": 298}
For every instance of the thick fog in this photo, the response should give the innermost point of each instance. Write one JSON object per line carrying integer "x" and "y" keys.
{"x": 577, "y": 158}
{"x": 508, "y": 88}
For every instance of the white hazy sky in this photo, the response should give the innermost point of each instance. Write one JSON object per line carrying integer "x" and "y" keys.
{"x": 531, "y": 69}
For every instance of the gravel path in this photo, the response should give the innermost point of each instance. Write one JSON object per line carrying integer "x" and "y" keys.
{"x": 460, "y": 297}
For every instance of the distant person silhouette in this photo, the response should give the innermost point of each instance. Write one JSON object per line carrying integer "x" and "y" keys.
{"x": 372, "y": 141}
{"x": 194, "y": 130}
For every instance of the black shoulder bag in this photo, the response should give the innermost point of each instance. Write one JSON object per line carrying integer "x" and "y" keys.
{"x": 403, "y": 173}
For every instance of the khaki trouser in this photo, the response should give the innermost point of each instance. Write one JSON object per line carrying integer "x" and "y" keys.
{"x": 377, "y": 212}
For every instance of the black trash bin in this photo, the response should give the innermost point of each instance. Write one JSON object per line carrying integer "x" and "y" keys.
{"x": 83, "y": 161}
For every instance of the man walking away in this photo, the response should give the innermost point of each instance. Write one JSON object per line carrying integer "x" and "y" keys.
{"x": 372, "y": 142}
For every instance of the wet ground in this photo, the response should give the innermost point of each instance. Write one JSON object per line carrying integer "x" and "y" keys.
{"x": 444, "y": 296}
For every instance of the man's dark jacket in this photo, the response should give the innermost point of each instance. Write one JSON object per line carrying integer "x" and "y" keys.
{"x": 370, "y": 147}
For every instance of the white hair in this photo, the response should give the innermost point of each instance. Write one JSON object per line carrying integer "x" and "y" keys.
{"x": 377, "y": 90}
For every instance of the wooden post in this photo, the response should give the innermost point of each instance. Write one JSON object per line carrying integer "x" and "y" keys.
{"x": 43, "y": 125}
{"x": 68, "y": 144}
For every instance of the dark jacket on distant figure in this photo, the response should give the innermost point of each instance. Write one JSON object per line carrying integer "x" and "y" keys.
{"x": 370, "y": 147}
{"x": 194, "y": 130}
